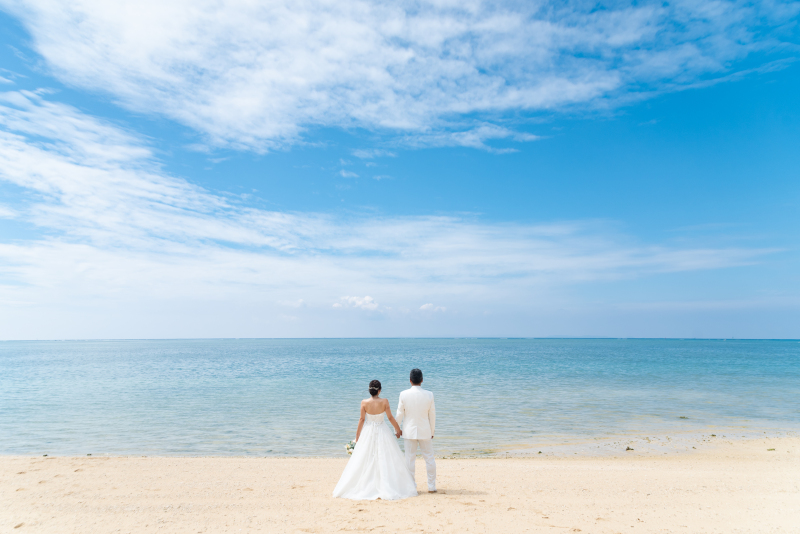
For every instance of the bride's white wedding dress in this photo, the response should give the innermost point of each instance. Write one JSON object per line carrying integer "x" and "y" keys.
{"x": 377, "y": 469}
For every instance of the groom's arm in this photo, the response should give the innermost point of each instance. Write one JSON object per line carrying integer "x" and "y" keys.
{"x": 432, "y": 417}
{"x": 401, "y": 411}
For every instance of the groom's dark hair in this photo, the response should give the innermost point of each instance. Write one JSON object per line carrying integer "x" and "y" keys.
{"x": 416, "y": 377}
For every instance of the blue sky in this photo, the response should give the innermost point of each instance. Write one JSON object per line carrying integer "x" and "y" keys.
{"x": 182, "y": 169}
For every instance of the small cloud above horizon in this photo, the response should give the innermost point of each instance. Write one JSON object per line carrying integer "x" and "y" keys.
{"x": 364, "y": 303}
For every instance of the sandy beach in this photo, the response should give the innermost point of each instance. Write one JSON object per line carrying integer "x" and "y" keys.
{"x": 738, "y": 486}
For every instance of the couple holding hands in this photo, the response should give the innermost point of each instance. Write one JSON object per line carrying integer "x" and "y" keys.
{"x": 377, "y": 468}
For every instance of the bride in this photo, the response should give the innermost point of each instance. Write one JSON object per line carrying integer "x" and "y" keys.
{"x": 377, "y": 469}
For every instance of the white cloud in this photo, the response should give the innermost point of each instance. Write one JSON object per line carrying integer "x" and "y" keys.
{"x": 372, "y": 153}
{"x": 347, "y": 174}
{"x": 254, "y": 75}
{"x": 364, "y": 303}
{"x": 430, "y": 307}
{"x": 7, "y": 213}
{"x": 475, "y": 137}
{"x": 117, "y": 230}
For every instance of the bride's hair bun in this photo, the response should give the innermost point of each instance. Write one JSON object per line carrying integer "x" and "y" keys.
{"x": 374, "y": 387}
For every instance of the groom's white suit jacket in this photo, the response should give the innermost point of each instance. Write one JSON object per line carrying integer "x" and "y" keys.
{"x": 417, "y": 409}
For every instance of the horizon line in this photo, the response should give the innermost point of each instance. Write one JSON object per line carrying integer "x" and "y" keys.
{"x": 411, "y": 337}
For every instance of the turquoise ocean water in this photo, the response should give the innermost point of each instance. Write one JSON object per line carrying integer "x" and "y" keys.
{"x": 301, "y": 397}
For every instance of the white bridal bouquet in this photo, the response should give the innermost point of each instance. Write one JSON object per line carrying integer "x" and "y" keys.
{"x": 349, "y": 446}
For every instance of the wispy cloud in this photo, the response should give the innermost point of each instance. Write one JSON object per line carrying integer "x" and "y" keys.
{"x": 115, "y": 227}
{"x": 7, "y": 213}
{"x": 253, "y": 75}
{"x": 475, "y": 137}
{"x": 371, "y": 153}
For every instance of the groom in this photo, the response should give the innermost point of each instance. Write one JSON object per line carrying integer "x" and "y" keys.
{"x": 417, "y": 408}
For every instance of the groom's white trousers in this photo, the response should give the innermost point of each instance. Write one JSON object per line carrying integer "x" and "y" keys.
{"x": 426, "y": 447}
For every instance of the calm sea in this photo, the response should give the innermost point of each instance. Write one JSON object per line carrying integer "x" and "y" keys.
{"x": 301, "y": 397}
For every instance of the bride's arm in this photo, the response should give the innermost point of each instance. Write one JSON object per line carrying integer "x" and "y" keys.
{"x": 397, "y": 431}
{"x": 361, "y": 421}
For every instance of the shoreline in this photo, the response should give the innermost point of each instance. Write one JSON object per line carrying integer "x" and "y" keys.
{"x": 680, "y": 442}
{"x": 739, "y": 486}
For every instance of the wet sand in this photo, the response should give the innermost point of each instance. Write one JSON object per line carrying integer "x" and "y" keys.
{"x": 725, "y": 486}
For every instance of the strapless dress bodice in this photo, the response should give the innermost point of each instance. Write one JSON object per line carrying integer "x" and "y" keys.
{"x": 377, "y": 419}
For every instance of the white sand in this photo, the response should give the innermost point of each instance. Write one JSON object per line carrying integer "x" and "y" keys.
{"x": 726, "y": 488}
